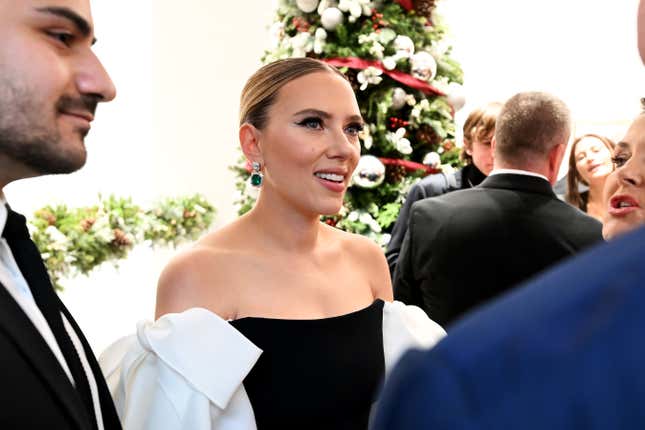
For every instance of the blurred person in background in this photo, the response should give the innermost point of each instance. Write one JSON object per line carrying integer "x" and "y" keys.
{"x": 589, "y": 164}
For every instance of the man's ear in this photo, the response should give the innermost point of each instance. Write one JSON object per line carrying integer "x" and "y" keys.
{"x": 556, "y": 155}
{"x": 250, "y": 142}
{"x": 493, "y": 144}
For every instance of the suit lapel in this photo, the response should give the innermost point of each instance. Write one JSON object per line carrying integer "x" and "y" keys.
{"x": 108, "y": 410}
{"x": 37, "y": 353}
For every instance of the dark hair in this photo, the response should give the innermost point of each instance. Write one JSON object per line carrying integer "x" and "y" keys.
{"x": 529, "y": 126}
{"x": 573, "y": 195}
{"x": 261, "y": 89}
{"x": 478, "y": 126}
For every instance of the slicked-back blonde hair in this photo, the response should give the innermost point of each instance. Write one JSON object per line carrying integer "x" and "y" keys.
{"x": 261, "y": 90}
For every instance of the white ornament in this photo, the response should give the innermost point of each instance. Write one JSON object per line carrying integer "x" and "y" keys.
{"x": 389, "y": 63}
{"x": 366, "y": 137}
{"x": 456, "y": 96}
{"x": 331, "y": 18}
{"x": 400, "y": 142}
{"x": 369, "y": 173}
{"x": 302, "y": 43}
{"x": 398, "y": 98}
{"x": 367, "y": 219}
{"x": 423, "y": 66}
{"x": 307, "y": 6}
{"x": 371, "y": 75}
{"x": 320, "y": 37}
{"x": 432, "y": 159}
{"x": 404, "y": 46}
{"x": 325, "y": 4}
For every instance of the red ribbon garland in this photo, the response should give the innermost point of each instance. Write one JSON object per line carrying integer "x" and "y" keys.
{"x": 404, "y": 78}
{"x": 409, "y": 165}
{"x": 406, "y": 4}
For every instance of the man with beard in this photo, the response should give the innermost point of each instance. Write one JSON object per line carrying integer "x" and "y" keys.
{"x": 50, "y": 85}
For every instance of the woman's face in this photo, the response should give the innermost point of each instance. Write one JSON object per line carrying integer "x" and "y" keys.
{"x": 624, "y": 188}
{"x": 310, "y": 144}
{"x": 593, "y": 160}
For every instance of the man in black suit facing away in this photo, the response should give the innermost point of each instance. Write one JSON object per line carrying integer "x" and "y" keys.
{"x": 469, "y": 246}
{"x": 50, "y": 85}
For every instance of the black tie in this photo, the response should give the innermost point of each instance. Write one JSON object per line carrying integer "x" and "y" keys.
{"x": 33, "y": 269}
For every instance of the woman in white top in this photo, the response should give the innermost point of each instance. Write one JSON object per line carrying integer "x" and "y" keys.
{"x": 276, "y": 320}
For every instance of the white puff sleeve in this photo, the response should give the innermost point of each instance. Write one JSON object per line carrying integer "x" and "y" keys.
{"x": 184, "y": 371}
{"x": 405, "y": 327}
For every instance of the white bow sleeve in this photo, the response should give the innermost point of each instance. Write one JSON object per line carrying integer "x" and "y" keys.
{"x": 184, "y": 371}
{"x": 405, "y": 327}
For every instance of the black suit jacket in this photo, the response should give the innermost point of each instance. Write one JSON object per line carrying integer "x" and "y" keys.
{"x": 430, "y": 186}
{"x": 468, "y": 246}
{"x": 35, "y": 392}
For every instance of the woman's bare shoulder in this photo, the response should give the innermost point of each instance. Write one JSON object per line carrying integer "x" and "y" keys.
{"x": 369, "y": 257}
{"x": 194, "y": 277}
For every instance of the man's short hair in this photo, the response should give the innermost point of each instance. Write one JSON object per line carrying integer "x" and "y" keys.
{"x": 529, "y": 126}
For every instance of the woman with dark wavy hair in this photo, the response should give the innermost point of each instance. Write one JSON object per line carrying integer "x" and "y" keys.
{"x": 589, "y": 164}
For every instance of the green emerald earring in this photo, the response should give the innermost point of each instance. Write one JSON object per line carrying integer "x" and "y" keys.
{"x": 256, "y": 175}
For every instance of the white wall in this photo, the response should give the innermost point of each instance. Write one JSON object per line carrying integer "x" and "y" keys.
{"x": 583, "y": 51}
{"x": 179, "y": 68}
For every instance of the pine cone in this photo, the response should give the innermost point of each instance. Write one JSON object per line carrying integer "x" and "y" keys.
{"x": 353, "y": 80}
{"x": 394, "y": 173}
{"x": 87, "y": 223}
{"x": 47, "y": 216}
{"x": 424, "y": 7}
{"x": 120, "y": 238}
{"x": 426, "y": 135}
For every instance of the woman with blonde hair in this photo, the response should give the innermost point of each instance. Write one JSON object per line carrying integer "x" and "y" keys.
{"x": 276, "y": 320}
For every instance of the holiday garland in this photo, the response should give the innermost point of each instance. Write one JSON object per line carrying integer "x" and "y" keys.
{"x": 407, "y": 88}
{"x": 75, "y": 241}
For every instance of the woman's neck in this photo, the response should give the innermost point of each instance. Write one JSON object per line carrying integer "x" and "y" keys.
{"x": 281, "y": 225}
{"x": 595, "y": 206}
{"x": 595, "y": 190}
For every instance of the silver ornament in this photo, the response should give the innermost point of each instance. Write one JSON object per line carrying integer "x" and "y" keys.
{"x": 423, "y": 66}
{"x": 369, "y": 173}
{"x": 307, "y": 6}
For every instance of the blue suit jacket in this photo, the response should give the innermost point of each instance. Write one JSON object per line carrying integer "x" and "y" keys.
{"x": 566, "y": 351}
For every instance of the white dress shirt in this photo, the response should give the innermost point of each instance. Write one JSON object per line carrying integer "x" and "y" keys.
{"x": 14, "y": 282}
{"x": 517, "y": 172}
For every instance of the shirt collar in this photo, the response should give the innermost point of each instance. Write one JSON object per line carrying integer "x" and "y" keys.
{"x": 517, "y": 172}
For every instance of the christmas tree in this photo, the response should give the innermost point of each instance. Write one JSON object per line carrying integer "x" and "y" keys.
{"x": 407, "y": 86}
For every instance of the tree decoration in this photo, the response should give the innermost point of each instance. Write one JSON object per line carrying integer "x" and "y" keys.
{"x": 75, "y": 241}
{"x": 307, "y": 6}
{"x": 396, "y": 59}
{"x": 369, "y": 173}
